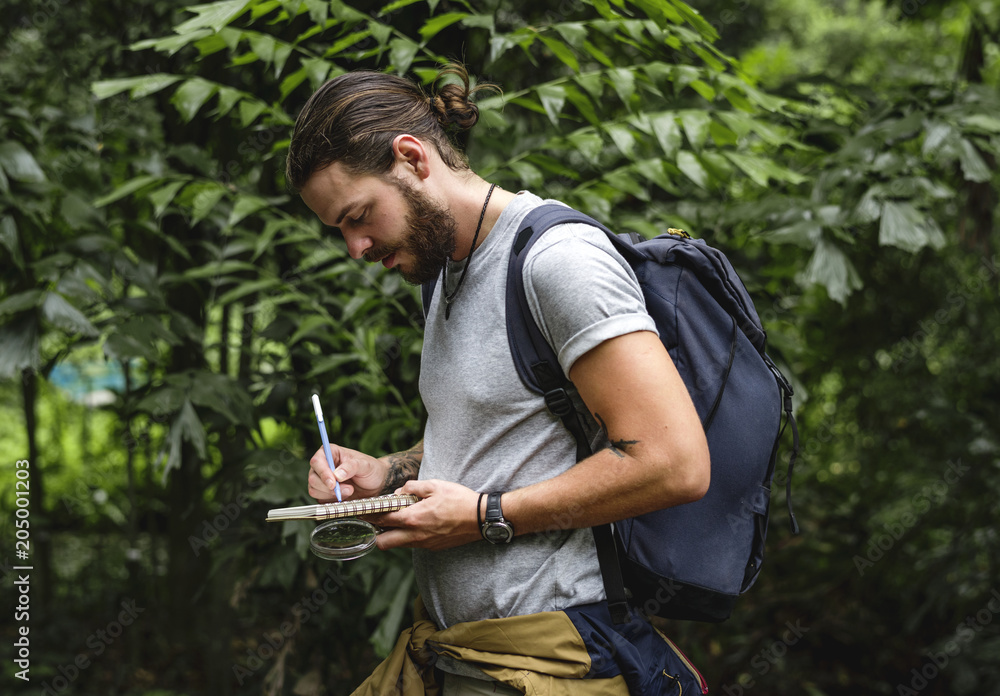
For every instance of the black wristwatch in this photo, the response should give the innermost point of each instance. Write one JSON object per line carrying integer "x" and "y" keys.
{"x": 496, "y": 529}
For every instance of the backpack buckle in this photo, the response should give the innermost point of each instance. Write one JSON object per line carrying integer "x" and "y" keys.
{"x": 559, "y": 402}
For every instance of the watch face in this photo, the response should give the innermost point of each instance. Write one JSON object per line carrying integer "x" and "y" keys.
{"x": 498, "y": 533}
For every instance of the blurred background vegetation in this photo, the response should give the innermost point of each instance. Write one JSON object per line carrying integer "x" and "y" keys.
{"x": 167, "y": 309}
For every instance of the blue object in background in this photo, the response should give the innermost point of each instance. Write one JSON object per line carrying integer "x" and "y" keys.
{"x": 94, "y": 383}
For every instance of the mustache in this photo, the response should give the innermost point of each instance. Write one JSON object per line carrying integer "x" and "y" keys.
{"x": 380, "y": 252}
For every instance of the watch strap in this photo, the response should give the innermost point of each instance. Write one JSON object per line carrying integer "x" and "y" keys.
{"x": 494, "y": 513}
{"x": 495, "y": 529}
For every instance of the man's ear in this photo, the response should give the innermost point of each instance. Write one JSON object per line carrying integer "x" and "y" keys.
{"x": 412, "y": 156}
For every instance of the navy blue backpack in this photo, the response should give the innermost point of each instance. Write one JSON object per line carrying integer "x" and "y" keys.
{"x": 690, "y": 561}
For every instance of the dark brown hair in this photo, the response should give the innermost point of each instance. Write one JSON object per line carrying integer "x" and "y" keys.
{"x": 353, "y": 119}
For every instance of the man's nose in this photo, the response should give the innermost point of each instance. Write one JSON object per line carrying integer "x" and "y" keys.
{"x": 357, "y": 244}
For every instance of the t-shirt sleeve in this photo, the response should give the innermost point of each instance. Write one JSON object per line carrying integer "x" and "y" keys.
{"x": 581, "y": 292}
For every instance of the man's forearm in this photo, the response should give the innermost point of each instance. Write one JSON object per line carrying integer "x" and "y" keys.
{"x": 402, "y": 467}
{"x": 608, "y": 486}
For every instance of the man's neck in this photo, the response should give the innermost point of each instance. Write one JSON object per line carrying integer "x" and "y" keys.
{"x": 472, "y": 209}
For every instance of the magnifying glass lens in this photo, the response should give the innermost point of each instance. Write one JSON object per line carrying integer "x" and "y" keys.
{"x": 343, "y": 540}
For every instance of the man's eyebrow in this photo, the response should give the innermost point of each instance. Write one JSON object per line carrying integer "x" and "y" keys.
{"x": 340, "y": 218}
{"x": 343, "y": 212}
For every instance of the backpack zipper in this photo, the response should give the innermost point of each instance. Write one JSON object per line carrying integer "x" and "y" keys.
{"x": 687, "y": 663}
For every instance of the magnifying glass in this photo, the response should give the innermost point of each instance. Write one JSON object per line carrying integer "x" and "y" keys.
{"x": 343, "y": 537}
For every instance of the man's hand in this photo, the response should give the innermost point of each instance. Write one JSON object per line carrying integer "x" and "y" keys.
{"x": 444, "y": 517}
{"x": 360, "y": 475}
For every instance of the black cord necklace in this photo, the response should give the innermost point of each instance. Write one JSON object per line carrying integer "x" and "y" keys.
{"x": 450, "y": 297}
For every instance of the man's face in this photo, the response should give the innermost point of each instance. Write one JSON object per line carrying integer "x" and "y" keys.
{"x": 384, "y": 219}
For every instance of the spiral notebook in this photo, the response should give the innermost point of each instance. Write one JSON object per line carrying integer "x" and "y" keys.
{"x": 348, "y": 508}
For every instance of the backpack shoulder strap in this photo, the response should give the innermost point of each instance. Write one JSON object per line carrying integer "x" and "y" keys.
{"x": 536, "y": 362}
{"x": 539, "y": 369}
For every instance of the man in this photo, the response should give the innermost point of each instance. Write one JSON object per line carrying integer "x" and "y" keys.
{"x": 501, "y": 534}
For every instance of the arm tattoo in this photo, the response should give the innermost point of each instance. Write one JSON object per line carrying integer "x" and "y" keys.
{"x": 403, "y": 467}
{"x": 617, "y": 447}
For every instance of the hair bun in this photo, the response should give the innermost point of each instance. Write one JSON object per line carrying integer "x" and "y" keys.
{"x": 453, "y": 108}
{"x": 438, "y": 107}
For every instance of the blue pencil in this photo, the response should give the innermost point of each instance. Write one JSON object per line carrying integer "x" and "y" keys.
{"x": 326, "y": 442}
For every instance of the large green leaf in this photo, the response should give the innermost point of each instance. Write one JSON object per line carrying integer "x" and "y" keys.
{"x": 80, "y": 214}
{"x": 186, "y": 426}
{"x": 592, "y": 84}
{"x": 61, "y": 313}
{"x": 692, "y": 168}
{"x": 623, "y": 137}
{"x": 137, "y": 86}
{"x": 985, "y": 122}
{"x": 219, "y": 393}
{"x": 19, "y": 346}
{"x": 831, "y": 268}
{"x": 217, "y": 269}
{"x": 318, "y": 11}
{"x": 623, "y": 180}
{"x": 245, "y": 206}
{"x": 205, "y": 197}
{"x": 696, "y": 124}
{"x": 19, "y": 164}
{"x": 761, "y": 169}
{"x": 162, "y": 197}
{"x": 589, "y": 144}
{"x": 973, "y": 166}
{"x": 162, "y": 401}
{"x": 140, "y": 336}
{"x": 9, "y": 240}
{"x": 805, "y": 233}
{"x": 247, "y": 288}
{"x": 667, "y": 132}
{"x": 434, "y": 25}
{"x": 655, "y": 171}
{"x": 553, "y": 98}
{"x": 310, "y": 325}
{"x": 125, "y": 189}
{"x": 623, "y": 82}
{"x": 172, "y": 44}
{"x": 561, "y": 51}
{"x": 192, "y": 95}
{"x": 905, "y": 227}
{"x": 402, "y": 52}
{"x": 214, "y": 15}
{"x": 28, "y": 299}
{"x": 249, "y": 110}
{"x": 573, "y": 33}
{"x": 528, "y": 173}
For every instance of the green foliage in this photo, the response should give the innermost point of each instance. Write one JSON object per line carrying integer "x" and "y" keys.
{"x": 845, "y": 159}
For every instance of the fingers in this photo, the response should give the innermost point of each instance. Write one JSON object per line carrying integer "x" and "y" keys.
{"x": 322, "y": 492}
{"x": 321, "y": 469}
{"x": 321, "y": 482}
{"x": 396, "y": 538}
{"x": 359, "y": 474}
{"x": 327, "y": 476}
{"x": 421, "y": 489}
{"x": 444, "y": 517}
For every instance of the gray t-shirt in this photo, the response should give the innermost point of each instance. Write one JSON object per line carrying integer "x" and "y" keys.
{"x": 486, "y": 431}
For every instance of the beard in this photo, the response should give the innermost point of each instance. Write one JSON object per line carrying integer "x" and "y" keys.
{"x": 430, "y": 237}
